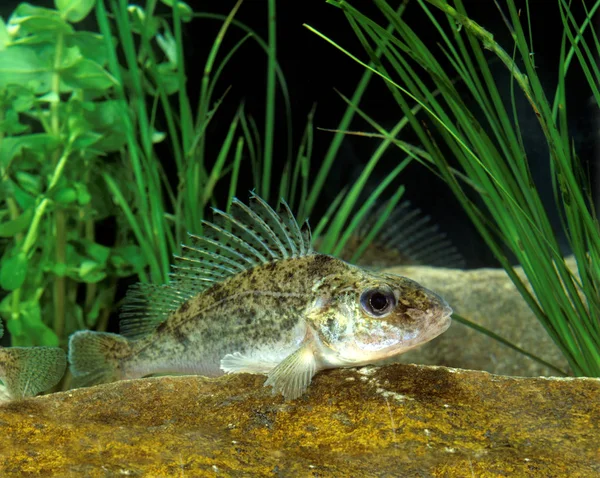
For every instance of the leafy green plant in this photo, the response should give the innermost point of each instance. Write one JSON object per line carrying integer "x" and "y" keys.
{"x": 197, "y": 173}
{"x": 57, "y": 122}
{"x": 487, "y": 143}
{"x": 79, "y": 114}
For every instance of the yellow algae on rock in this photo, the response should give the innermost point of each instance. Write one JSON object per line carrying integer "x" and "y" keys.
{"x": 398, "y": 420}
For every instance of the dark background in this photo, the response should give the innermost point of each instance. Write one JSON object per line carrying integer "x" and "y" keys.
{"x": 313, "y": 69}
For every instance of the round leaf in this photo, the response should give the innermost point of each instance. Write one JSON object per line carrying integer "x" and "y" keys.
{"x": 65, "y": 195}
{"x": 74, "y": 10}
{"x": 13, "y": 271}
{"x": 185, "y": 12}
{"x": 15, "y": 327}
{"x": 14, "y": 226}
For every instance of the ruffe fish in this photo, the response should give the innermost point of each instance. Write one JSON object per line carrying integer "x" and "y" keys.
{"x": 27, "y": 371}
{"x": 251, "y": 295}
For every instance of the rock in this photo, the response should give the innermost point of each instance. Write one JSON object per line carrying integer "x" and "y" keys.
{"x": 488, "y": 298}
{"x": 398, "y": 420}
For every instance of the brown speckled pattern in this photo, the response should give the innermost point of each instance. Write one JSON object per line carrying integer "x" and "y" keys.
{"x": 264, "y": 305}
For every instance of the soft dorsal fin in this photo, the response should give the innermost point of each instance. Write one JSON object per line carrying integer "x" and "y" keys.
{"x": 246, "y": 237}
{"x": 410, "y": 237}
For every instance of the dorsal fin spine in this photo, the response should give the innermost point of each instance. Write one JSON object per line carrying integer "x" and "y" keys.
{"x": 220, "y": 257}
{"x": 277, "y": 220}
{"x": 259, "y": 255}
{"x": 248, "y": 237}
{"x": 232, "y": 237}
{"x": 274, "y": 238}
{"x": 202, "y": 263}
{"x": 285, "y": 221}
{"x": 294, "y": 228}
{"x": 306, "y": 237}
{"x": 199, "y": 272}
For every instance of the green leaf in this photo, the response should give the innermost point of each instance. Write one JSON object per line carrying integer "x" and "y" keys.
{"x": 20, "y": 65}
{"x": 11, "y": 125}
{"x": 158, "y": 136}
{"x": 21, "y": 98}
{"x": 86, "y": 139}
{"x": 185, "y": 12}
{"x": 4, "y": 36}
{"x": 91, "y": 45}
{"x": 13, "y": 271}
{"x": 128, "y": 260}
{"x": 15, "y": 327}
{"x": 32, "y": 20}
{"x": 14, "y": 226}
{"x": 94, "y": 312}
{"x": 168, "y": 78}
{"x": 83, "y": 195}
{"x": 66, "y": 195}
{"x": 60, "y": 270}
{"x": 107, "y": 119}
{"x": 70, "y": 56}
{"x": 74, "y": 10}
{"x": 40, "y": 143}
{"x": 140, "y": 23}
{"x": 91, "y": 272}
{"x": 30, "y": 183}
{"x": 23, "y": 198}
{"x": 36, "y": 331}
{"x": 93, "y": 250}
{"x": 87, "y": 74}
{"x": 168, "y": 45}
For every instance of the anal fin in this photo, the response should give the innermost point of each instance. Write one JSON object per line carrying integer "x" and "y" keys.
{"x": 292, "y": 376}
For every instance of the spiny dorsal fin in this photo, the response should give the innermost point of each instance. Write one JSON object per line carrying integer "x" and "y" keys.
{"x": 245, "y": 238}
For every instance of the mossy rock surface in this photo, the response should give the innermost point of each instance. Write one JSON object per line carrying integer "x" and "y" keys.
{"x": 398, "y": 420}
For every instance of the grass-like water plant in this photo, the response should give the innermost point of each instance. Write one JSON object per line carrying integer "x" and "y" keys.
{"x": 85, "y": 199}
{"x": 484, "y": 137}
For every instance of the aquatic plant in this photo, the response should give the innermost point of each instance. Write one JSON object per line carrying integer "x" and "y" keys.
{"x": 494, "y": 183}
{"x": 56, "y": 123}
{"x": 85, "y": 198}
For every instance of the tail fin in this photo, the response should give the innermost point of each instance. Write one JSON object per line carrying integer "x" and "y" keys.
{"x": 26, "y": 371}
{"x": 96, "y": 357}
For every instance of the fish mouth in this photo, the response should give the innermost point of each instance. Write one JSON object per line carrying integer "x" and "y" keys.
{"x": 441, "y": 308}
{"x": 445, "y": 318}
{"x": 447, "y": 311}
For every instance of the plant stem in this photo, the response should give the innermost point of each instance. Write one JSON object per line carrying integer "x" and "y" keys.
{"x": 60, "y": 286}
{"x": 43, "y": 204}
{"x": 102, "y": 322}
{"x": 91, "y": 288}
{"x": 270, "y": 105}
{"x": 60, "y": 216}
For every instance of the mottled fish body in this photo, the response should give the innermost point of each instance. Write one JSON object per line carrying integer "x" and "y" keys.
{"x": 252, "y": 296}
{"x": 27, "y": 371}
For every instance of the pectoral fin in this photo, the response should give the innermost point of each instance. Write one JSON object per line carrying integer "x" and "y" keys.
{"x": 252, "y": 363}
{"x": 293, "y": 375}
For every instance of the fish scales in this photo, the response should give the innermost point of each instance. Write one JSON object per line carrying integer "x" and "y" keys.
{"x": 252, "y": 296}
{"x": 254, "y": 308}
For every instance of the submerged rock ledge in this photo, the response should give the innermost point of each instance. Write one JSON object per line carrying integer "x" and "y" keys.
{"x": 398, "y": 420}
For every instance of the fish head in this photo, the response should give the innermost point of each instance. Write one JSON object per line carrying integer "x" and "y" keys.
{"x": 376, "y": 317}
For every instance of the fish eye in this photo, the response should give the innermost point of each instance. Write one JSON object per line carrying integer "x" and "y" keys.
{"x": 377, "y": 302}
